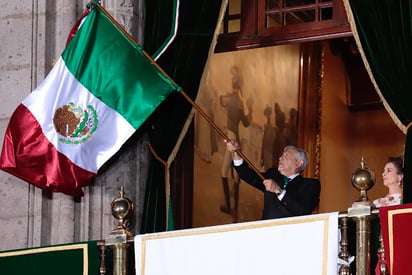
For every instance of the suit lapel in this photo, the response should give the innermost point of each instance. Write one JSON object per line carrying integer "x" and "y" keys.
{"x": 293, "y": 181}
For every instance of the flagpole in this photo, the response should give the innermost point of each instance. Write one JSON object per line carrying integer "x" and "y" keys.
{"x": 220, "y": 132}
{"x": 196, "y": 106}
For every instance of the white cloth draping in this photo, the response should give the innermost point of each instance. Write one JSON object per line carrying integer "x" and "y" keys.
{"x": 289, "y": 246}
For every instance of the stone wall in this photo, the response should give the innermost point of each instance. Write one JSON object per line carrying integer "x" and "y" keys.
{"x": 33, "y": 35}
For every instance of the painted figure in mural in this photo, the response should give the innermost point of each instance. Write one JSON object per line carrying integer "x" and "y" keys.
{"x": 269, "y": 134}
{"x": 233, "y": 104}
{"x": 286, "y": 192}
{"x": 280, "y": 136}
{"x": 205, "y": 137}
{"x": 393, "y": 179}
{"x": 291, "y": 127}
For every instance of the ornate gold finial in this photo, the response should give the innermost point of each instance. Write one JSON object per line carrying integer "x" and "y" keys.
{"x": 122, "y": 208}
{"x": 362, "y": 162}
{"x": 120, "y": 237}
{"x": 363, "y": 179}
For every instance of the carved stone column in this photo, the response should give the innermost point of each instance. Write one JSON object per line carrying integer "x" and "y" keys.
{"x": 32, "y": 39}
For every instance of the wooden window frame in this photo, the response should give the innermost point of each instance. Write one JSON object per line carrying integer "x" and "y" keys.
{"x": 253, "y": 32}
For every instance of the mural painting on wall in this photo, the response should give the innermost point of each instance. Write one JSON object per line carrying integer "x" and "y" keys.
{"x": 252, "y": 96}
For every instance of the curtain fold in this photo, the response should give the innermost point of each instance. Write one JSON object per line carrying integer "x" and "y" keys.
{"x": 383, "y": 33}
{"x": 183, "y": 61}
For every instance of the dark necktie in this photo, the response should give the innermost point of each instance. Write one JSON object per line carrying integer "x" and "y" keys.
{"x": 285, "y": 181}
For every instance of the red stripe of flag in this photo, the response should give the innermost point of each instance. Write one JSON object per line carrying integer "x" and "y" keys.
{"x": 43, "y": 166}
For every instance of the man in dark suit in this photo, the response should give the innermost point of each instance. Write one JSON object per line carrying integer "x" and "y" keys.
{"x": 286, "y": 192}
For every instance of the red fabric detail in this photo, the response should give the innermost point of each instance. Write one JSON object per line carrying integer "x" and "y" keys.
{"x": 378, "y": 264}
{"x": 76, "y": 26}
{"x": 29, "y": 155}
{"x": 397, "y": 238}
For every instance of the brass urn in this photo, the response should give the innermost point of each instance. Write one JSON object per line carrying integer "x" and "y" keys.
{"x": 363, "y": 179}
{"x": 122, "y": 208}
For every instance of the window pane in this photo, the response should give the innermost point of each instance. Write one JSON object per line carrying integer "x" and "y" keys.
{"x": 326, "y": 13}
{"x": 234, "y": 7}
{"x": 295, "y": 3}
{"x": 273, "y": 20}
{"x": 234, "y": 25}
{"x": 298, "y": 17}
{"x": 273, "y": 4}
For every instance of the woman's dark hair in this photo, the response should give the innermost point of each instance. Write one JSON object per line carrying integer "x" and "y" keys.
{"x": 398, "y": 162}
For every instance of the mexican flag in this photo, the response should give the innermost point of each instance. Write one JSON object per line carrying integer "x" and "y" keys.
{"x": 100, "y": 91}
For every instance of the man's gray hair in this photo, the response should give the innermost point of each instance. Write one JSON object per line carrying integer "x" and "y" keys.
{"x": 300, "y": 155}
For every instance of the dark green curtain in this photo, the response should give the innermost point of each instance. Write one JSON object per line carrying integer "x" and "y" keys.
{"x": 383, "y": 31}
{"x": 183, "y": 61}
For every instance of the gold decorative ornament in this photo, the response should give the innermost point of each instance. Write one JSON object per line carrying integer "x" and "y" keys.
{"x": 122, "y": 208}
{"x": 120, "y": 238}
{"x": 363, "y": 179}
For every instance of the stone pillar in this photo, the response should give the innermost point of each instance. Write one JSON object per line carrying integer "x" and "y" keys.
{"x": 33, "y": 35}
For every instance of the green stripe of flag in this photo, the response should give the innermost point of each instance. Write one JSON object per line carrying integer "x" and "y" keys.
{"x": 115, "y": 69}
